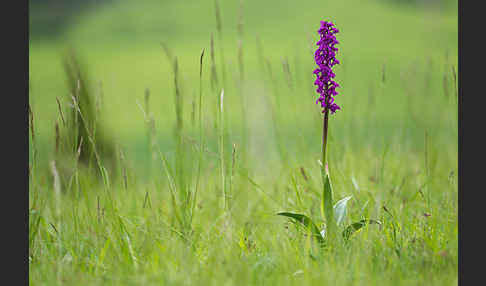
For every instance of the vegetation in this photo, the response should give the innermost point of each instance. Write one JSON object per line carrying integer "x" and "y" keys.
{"x": 209, "y": 125}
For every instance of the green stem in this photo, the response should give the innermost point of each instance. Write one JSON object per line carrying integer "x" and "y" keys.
{"x": 325, "y": 127}
{"x": 201, "y": 143}
{"x": 221, "y": 151}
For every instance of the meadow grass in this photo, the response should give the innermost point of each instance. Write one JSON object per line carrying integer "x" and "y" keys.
{"x": 225, "y": 141}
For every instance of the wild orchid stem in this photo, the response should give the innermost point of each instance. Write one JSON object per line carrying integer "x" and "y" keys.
{"x": 325, "y": 127}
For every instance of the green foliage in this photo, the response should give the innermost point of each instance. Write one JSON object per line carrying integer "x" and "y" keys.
{"x": 136, "y": 228}
{"x": 84, "y": 136}
{"x": 340, "y": 209}
{"x": 306, "y": 222}
{"x": 334, "y": 216}
{"x": 354, "y": 227}
{"x": 327, "y": 202}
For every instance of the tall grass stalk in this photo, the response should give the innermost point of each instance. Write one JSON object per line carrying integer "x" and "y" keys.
{"x": 124, "y": 169}
{"x": 241, "y": 85}
{"x": 214, "y": 75}
{"x": 180, "y": 174}
{"x": 201, "y": 134}
{"x": 454, "y": 81}
{"x": 221, "y": 151}
{"x": 75, "y": 175}
{"x": 239, "y": 27}
{"x": 427, "y": 168}
{"x": 57, "y": 215}
{"x": 60, "y": 111}
{"x": 233, "y": 166}
{"x": 150, "y": 123}
{"x": 219, "y": 29}
{"x": 33, "y": 146}
{"x": 178, "y": 128}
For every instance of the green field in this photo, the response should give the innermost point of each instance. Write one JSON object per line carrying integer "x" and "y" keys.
{"x": 393, "y": 146}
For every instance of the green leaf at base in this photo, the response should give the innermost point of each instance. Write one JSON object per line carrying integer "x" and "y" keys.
{"x": 327, "y": 202}
{"x": 306, "y": 221}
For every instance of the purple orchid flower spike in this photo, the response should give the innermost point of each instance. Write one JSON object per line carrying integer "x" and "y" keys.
{"x": 325, "y": 57}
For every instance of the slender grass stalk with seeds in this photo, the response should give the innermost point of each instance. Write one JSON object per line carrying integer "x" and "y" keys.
{"x": 75, "y": 175}
{"x": 124, "y": 170}
{"x": 201, "y": 135}
{"x": 427, "y": 168}
{"x": 149, "y": 131}
{"x": 240, "y": 41}
{"x": 230, "y": 189}
{"x": 60, "y": 111}
{"x": 32, "y": 137}
{"x": 454, "y": 80}
{"x": 214, "y": 75}
{"x": 214, "y": 83}
{"x": 57, "y": 211}
{"x": 221, "y": 151}
{"x": 152, "y": 154}
{"x": 219, "y": 29}
{"x": 57, "y": 140}
{"x": 241, "y": 89}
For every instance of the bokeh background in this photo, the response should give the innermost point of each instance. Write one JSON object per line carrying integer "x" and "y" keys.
{"x": 412, "y": 43}
{"x": 392, "y": 147}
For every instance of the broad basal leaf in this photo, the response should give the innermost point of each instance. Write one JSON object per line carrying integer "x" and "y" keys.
{"x": 306, "y": 221}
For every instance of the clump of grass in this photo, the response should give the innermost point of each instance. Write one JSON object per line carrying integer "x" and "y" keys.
{"x": 182, "y": 194}
{"x": 81, "y": 121}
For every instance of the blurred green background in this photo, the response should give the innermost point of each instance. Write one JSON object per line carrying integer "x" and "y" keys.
{"x": 392, "y": 147}
{"x": 413, "y": 42}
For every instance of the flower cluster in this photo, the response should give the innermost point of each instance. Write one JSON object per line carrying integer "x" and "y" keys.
{"x": 325, "y": 57}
